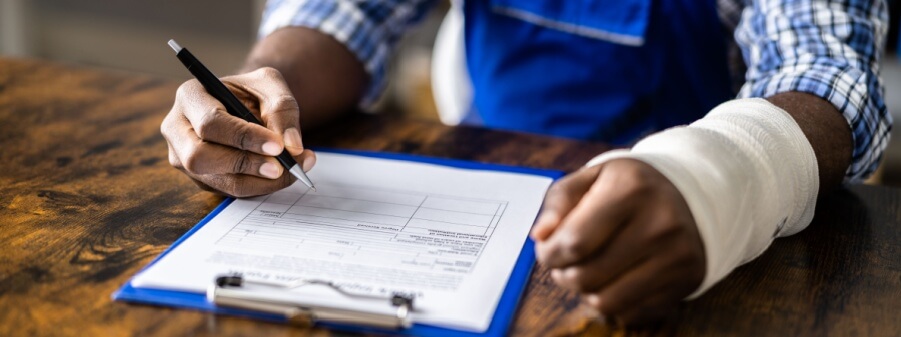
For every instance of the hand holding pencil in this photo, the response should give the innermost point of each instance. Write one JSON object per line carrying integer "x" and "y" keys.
{"x": 223, "y": 151}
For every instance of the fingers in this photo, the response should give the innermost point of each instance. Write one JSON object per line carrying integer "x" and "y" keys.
{"x": 603, "y": 211}
{"x": 225, "y": 153}
{"x": 293, "y": 142}
{"x": 212, "y": 123}
{"x": 654, "y": 287}
{"x": 660, "y": 225}
{"x": 560, "y": 199}
{"x": 629, "y": 243}
{"x": 240, "y": 186}
{"x": 651, "y": 285}
{"x": 209, "y": 158}
{"x": 307, "y": 160}
{"x": 653, "y": 308}
{"x": 235, "y": 185}
{"x": 625, "y": 251}
{"x": 198, "y": 157}
{"x": 202, "y": 158}
{"x": 278, "y": 108}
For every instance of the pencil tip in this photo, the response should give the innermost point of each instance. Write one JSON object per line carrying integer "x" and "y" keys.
{"x": 298, "y": 172}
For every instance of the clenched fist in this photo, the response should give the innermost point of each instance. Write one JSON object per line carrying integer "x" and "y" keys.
{"x": 622, "y": 235}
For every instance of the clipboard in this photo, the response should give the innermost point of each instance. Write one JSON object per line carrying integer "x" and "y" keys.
{"x": 500, "y": 322}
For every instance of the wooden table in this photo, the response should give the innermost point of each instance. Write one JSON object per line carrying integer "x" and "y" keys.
{"x": 87, "y": 198}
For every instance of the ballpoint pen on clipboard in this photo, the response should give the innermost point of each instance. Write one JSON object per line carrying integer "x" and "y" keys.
{"x": 230, "y": 291}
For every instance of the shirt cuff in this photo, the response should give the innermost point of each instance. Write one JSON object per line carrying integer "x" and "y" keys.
{"x": 851, "y": 91}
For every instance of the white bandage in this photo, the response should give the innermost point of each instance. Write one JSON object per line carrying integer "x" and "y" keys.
{"x": 747, "y": 172}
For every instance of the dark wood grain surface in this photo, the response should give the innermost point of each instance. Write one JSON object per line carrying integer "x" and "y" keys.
{"x": 87, "y": 198}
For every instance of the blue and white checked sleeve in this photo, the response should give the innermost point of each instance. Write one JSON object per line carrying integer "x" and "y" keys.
{"x": 830, "y": 49}
{"x": 369, "y": 28}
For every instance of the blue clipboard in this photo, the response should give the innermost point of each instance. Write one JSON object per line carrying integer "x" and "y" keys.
{"x": 500, "y": 322}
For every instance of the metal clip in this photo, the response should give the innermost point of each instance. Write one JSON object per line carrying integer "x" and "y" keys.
{"x": 229, "y": 291}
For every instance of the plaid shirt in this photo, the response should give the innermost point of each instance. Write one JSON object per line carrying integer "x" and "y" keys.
{"x": 830, "y": 49}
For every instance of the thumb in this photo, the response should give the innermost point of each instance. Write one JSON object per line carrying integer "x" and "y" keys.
{"x": 279, "y": 111}
{"x": 293, "y": 142}
{"x": 282, "y": 116}
{"x": 561, "y": 198}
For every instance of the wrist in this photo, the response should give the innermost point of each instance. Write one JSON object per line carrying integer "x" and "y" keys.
{"x": 747, "y": 173}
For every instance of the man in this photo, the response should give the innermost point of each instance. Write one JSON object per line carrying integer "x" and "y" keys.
{"x": 635, "y": 231}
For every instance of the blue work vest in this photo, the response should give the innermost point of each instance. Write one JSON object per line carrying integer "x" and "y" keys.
{"x": 606, "y": 70}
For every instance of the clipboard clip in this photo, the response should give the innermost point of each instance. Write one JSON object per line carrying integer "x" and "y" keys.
{"x": 229, "y": 291}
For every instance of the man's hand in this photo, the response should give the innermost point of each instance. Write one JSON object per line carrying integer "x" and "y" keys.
{"x": 622, "y": 235}
{"x": 226, "y": 154}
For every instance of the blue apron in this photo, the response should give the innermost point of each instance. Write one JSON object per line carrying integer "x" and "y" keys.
{"x": 606, "y": 70}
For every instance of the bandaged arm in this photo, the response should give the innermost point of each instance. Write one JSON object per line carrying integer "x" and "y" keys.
{"x": 746, "y": 171}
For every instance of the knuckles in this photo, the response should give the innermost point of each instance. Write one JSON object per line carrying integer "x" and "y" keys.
{"x": 173, "y": 160}
{"x": 205, "y": 127}
{"x": 572, "y": 247}
{"x": 690, "y": 259}
{"x": 283, "y": 103}
{"x": 556, "y": 190}
{"x": 190, "y": 157}
{"x": 667, "y": 224}
{"x": 166, "y": 126}
{"x": 268, "y": 73}
{"x": 575, "y": 278}
{"x": 243, "y": 187}
{"x": 635, "y": 177}
{"x": 242, "y": 136}
{"x": 186, "y": 89}
{"x": 169, "y": 125}
{"x": 635, "y": 180}
{"x": 663, "y": 229}
{"x": 191, "y": 160}
{"x": 611, "y": 305}
{"x": 242, "y": 163}
{"x": 234, "y": 188}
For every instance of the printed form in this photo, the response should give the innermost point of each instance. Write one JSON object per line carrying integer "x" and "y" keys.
{"x": 448, "y": 236}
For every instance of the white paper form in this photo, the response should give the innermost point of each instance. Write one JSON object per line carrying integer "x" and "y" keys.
{"x": 450, "y": 236}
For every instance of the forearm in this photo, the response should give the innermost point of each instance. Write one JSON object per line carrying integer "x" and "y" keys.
{"x": 837, "y": 60}
{"x": 324, "y": 76}
{"x": 826, "y": 130}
